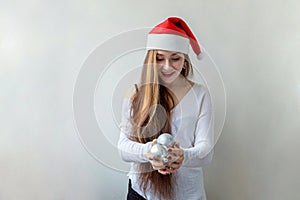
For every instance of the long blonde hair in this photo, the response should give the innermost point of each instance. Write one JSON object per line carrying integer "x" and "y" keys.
{"x": 150, "y": 116}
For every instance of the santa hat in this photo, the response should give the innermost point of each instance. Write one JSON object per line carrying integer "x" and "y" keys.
{"x": 173, "y": 34}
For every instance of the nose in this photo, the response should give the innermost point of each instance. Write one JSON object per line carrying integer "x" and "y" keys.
{"x": 166, "y": 64}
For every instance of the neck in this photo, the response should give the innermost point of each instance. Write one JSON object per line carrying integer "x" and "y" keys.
{"x": 178, "y": 83}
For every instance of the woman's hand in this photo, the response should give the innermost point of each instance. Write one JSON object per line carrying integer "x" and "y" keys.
{"x": 156, "y": 163}
{"x": 175, "y": 157}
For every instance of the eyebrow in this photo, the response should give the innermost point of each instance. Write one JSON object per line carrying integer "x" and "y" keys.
{"x": 163, "y": 54}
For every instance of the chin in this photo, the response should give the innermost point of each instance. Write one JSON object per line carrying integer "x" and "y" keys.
{"x": 167, "y": 81}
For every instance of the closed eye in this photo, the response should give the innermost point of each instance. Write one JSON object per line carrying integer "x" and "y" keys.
{"x": 175, "y": 59}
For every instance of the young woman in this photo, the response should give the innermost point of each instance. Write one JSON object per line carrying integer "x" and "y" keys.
{"x": 167, "y": 101}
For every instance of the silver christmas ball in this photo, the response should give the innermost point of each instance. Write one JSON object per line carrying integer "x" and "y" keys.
{"x": 158, "y": 150}
{"x": 166, "y": 139}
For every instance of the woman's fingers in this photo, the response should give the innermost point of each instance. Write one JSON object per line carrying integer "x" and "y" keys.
{"x": 164, "y": 171}
{"x": 175, "y": 165}
{"x": 157, "y": 163}
{"x": 154, "y": 142}
{"x": 175, "y": 152}
{"x": 176, "y": 145}
{"x": 171, "y": 169}
{"x": 175, "y": 157}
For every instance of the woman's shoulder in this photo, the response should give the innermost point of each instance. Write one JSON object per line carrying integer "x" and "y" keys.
{"x": 130, "y": 92}
{"x": 203, "y": 97}
{"x": 200, "y": 89}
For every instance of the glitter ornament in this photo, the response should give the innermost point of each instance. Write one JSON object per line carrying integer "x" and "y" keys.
{"x": 159, "y": 150}
{"x": 166, "y": 139}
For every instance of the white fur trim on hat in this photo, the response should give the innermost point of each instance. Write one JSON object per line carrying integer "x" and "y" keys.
{"x": 168, "y": 42}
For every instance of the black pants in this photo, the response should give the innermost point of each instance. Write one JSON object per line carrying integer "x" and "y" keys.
{"x": 132, "y": 194}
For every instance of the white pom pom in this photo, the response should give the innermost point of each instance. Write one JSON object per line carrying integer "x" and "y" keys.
{"x": 201, "y": 55}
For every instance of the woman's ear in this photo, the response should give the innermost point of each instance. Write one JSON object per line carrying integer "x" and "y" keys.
{"x": 185, "y": 64}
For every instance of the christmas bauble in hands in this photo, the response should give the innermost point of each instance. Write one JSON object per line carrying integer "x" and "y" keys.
{"x": 165, "y": 139}
{"x": 159, "y": 150}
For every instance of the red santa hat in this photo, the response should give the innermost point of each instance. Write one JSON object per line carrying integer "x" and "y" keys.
{"x": 173, "y": 34}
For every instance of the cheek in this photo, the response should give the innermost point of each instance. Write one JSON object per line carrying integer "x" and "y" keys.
{"x": 178, "y": 66}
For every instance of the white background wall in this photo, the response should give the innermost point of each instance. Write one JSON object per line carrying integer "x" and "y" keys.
{"x": 44, "y": 43}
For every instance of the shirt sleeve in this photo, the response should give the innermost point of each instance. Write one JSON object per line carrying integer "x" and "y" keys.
{"x": 130, "y": 151}
{"x": 202, "y": 152}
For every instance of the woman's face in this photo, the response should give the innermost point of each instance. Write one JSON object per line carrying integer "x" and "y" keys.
{"x": 170, "y": 65}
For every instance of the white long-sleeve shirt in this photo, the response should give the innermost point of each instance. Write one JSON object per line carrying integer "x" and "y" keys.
{"x": 192, "y": 127}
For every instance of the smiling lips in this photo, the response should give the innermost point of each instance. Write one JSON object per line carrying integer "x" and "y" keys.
{"x": 167, "y": 75}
